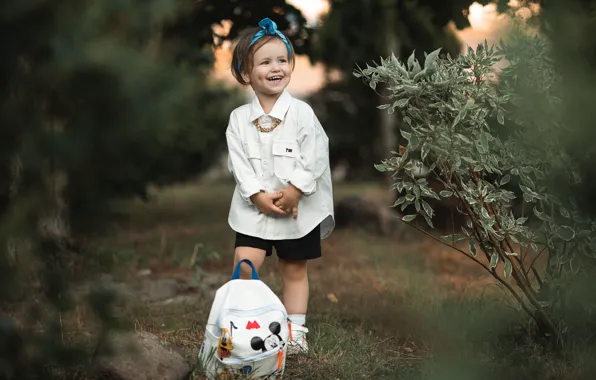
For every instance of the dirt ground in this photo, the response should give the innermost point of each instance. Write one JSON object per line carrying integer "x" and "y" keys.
{"x": 375, "y": 301}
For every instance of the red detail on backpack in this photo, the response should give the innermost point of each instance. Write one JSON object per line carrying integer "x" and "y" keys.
{"x": 252, "y": 325}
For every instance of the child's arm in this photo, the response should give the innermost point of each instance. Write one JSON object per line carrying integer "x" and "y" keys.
{"x": 240, "y": 167}
{"x": 314, "y": 155}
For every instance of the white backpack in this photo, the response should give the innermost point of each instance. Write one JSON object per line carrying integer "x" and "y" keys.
{"x": 247, "y": 331}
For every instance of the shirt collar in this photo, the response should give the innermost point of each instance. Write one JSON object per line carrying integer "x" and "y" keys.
{"x": 279, "y": 109}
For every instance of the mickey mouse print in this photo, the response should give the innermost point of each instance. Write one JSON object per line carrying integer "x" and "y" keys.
{"x": 253, "y": 335}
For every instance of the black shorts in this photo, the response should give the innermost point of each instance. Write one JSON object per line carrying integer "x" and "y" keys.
{"x": 307, "y": 247}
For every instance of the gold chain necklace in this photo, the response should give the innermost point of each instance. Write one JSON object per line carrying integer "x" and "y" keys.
{"x": 274, "y": 123}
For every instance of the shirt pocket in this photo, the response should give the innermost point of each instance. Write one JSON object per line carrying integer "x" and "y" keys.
{"x": 253, "y": 153}
{"x": 284, "y": 158}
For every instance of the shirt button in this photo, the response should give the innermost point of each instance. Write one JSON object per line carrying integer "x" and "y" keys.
{"x": 265, "y": 163}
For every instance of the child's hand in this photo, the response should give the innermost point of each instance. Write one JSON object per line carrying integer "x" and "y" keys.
{"x": 289, "y": 200}
{"x": 264, "y": 203}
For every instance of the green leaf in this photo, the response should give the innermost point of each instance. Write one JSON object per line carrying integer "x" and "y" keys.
{"x": 424, "y": 151}
{"x": 506, "y": 178}
{"x": 463, "y": 138}
{"x": 511, "y": 253}
{"x": 509, "y": 195}
{"x": 542, "y": 215}
{"x": 417, "y": 191}
{"x": 446, "y": 193}
{"x": 494, "y": 260}
{"x": 472, "y": 247}
{"x": 484, "y": 213}
{"x": 508, "y": 268}
{"x": 414, "y": 141}
{"x": 566, "y": 233}
{"x": 584, "y": 233}
{"x": 500, "y": 117}
{"x": 411, "y": 59}
{"x": 430, "y": 62}
{"x": 564, "y": 212}
{"x": 384, "y": 167}
{"x": 429, "y": 221}
{"x": 408, "y": 218}
{"x": 453, "y": 238}
{"x": 484, "y": 141}
{"x": 402, "y": 103}
{"x": 399, "y": 201}
{"x": 427, "y": 208}
{"x": 383, "y": 106}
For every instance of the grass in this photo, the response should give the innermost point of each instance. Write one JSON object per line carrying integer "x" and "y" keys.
{"x": 380, "y": 308}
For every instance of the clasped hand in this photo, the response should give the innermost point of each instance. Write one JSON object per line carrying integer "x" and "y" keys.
{"x": 280, "y": 203}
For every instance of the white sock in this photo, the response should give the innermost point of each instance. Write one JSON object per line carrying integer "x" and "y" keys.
{"x": 298, "y": 319}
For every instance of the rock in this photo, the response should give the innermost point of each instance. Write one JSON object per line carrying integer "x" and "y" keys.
{"x": 151, "y": 289}
{"x": 144, "y": 272}
{"x": 356, "y": 211}
{"x": 139, "y": 356}
{"x": 158, "y": 289}
{"x": 190, "y": 299}
{"x": 124, "y": 291}
{"x": 210, "y": 280}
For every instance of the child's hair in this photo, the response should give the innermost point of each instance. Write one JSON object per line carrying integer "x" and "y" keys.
{"x": 242, "y": 61}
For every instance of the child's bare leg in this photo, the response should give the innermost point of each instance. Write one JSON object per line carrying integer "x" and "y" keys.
{"x": 255, "y": 255}
{"x": 295, "y": 298}
{"x": 295, "y": 285}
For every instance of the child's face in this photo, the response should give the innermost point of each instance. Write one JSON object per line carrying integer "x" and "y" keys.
{"x": 271, "y": 70}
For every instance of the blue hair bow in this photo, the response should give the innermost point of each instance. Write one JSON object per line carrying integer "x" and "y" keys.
{"x": 269, "y": 27}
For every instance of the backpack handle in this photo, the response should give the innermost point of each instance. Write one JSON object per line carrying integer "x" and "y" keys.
{"x": 236, "y": 274}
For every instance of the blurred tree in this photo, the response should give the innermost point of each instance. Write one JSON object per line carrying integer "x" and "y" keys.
{"x": 570, "y": 25}
{"x": 190, "y": 31}
{"x": 352, "y": 33}
{"x": 106, "y": 99}
{"x": 98, "y": 100}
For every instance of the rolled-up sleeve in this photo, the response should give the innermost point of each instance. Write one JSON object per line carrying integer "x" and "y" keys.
{"x": 240, "y": 167}
{"x": 314, "y": 156}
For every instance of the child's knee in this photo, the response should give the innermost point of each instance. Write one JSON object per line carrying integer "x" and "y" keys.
{"x": 293, "y": 270}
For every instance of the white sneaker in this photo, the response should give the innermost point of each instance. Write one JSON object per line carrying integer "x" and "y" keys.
{"x": 297, "y": 343}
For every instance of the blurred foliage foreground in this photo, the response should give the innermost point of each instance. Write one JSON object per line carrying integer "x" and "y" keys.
{"x": 493, "y": 126}
{"x": 99, "y": 100}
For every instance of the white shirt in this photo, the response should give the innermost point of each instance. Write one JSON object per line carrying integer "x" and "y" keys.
{"x": 295, "y": 152}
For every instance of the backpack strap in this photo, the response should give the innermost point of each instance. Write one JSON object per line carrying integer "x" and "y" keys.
{"x": 236, "y": 274}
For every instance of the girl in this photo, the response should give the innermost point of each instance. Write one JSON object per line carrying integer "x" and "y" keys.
{"x": 278, "y": 154}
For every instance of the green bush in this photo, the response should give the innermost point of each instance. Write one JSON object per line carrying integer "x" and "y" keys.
{"x": 489, "y": 127}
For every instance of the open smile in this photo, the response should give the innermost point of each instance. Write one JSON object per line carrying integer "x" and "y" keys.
{"x": 275, "y": 79}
